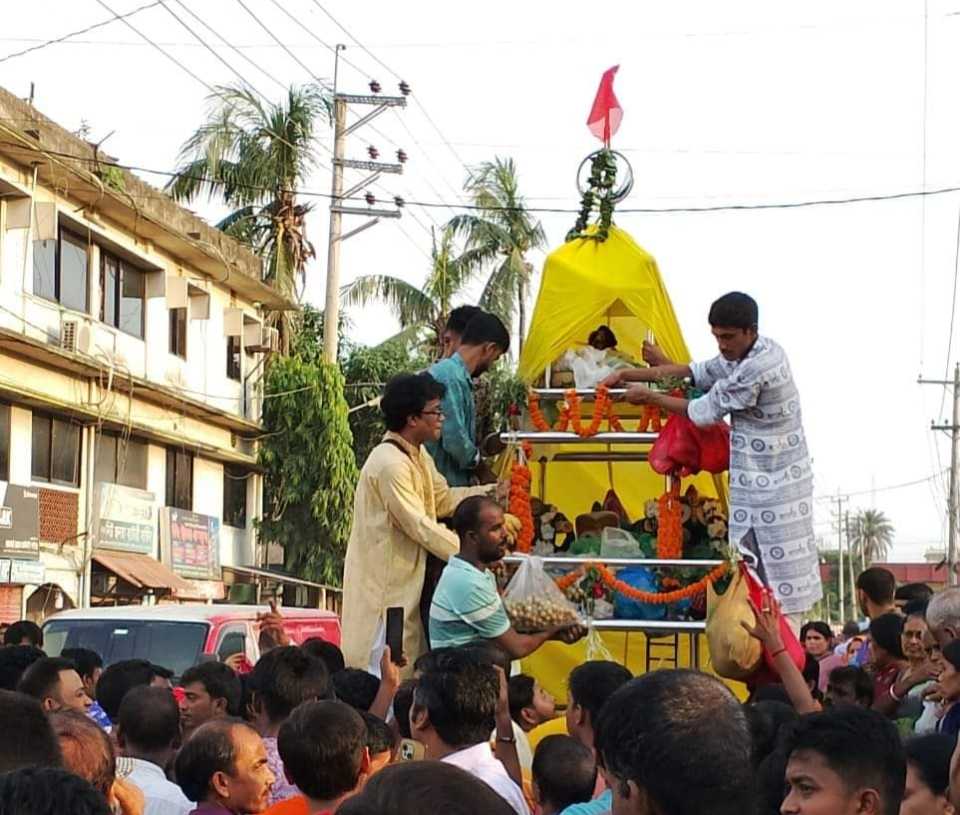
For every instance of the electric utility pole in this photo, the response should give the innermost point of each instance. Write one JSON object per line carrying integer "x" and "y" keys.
{"x": 840, "y": 501}
{"x": 338, "y": 207}
{"x": 952, "y": 503}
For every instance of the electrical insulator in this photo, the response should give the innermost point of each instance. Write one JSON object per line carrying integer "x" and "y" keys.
{"x": 374, "y": 86}
{"x": 373, "y": 152}
{"x": 404, "y": 88}
{"x": 371, "y": 199}
{"x": 398, "y": 201}
{"x": 402, "y": 156}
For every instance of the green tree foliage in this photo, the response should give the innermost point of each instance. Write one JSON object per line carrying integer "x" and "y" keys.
{"x": 871, "y": 536}
{"x": 310, "y": 468}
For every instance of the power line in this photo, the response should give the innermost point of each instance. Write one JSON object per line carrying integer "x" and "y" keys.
{"x": 846, "y": 495}
{"x": 167, "y": 54}
{"x": 279, "y": 42}
{"x": 562, "y": 210}
{"x": 206, "y": 45}
{"x": 230, "y": 45}
{"x": 81, "y": 31}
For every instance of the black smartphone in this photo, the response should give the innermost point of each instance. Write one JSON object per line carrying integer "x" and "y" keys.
{"x": 395, "y": 632}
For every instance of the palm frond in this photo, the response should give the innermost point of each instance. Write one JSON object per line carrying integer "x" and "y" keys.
{"x": 408, "y": 303}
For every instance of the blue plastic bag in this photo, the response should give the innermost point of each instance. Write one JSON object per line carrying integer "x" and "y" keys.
{"x": 639, "y": 577}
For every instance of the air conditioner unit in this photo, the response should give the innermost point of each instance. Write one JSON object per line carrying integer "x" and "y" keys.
{"x": 253, "y": 336}
{"x": 272, "y": 339}
{"x": 74, "y": 336}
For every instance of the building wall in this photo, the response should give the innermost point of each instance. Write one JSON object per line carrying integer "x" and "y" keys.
{"x": 202, "y": 377}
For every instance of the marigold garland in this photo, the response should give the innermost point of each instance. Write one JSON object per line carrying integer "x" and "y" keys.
{"x": 569, "y": 413}
{"x": 670, "y": 524}
{"x": 520, "y": 480}
{"x": 655, "y": 598}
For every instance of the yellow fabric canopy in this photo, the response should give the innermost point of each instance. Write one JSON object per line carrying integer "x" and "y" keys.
{"x": 586, "y": 284}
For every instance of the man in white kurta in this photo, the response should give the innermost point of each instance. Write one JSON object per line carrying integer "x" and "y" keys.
{"x": 771, "y": 479}
{"x": 398, "y": 499}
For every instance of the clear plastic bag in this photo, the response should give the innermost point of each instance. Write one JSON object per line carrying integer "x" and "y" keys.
{"x": 618, "y": 543}
{"x": 533, "y": 601}
{"x": 597, "y": 650}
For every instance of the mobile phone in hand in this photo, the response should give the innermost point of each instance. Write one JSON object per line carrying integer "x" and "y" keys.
{"x": 395, "y": 633}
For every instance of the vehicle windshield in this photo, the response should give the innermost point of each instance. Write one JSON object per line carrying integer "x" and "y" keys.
{"x": 173, "y": 645}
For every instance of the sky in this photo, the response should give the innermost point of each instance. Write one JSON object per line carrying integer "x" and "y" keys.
{"x": 725, "y": 103}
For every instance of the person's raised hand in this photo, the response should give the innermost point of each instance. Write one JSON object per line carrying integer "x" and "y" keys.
{"x": 390, "y": 670}
{"x": 235, "y": 661}
{"x": 767, "y": 627}
{"x": 613, "y": 380}
{"x": 272, "y": 621}
{"x": 503, "y": 697}
{"x": 639, "y": 395}
{"x": 653, "y": 355}
{"x": 126, "y": 797}
{"x": 503, "y": 490}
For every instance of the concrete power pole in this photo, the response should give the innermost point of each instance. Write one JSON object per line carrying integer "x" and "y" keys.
{"x": 853, "y": 585}
{"x": 338, "y": 208}
{"x": 843, "y": 603}
{"x": 952, "y": 500}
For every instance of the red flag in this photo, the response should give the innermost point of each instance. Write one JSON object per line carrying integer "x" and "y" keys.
{"x": 606, "y": 113}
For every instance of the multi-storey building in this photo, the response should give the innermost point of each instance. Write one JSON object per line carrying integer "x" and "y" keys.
{"x": 132, "y": 344}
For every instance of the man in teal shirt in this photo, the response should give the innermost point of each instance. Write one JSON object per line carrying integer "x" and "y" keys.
{"x": 456, "y": 454}
{"x": 466, "y": 606}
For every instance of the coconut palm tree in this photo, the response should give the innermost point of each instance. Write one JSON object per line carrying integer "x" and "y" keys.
{"x": 499, "y": 237}
{"x": 419, "y": 308}
{"x": 253, "y": 155}
{"x": 871, "y": 535}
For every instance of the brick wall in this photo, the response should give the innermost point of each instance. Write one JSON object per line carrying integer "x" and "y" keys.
{"x": 59, "y": 512}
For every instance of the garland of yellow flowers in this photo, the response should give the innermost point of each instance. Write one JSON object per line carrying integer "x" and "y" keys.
{"x": 654, "y": 598}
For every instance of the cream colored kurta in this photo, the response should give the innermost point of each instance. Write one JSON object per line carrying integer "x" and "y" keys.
{"x": 398, "y": 499}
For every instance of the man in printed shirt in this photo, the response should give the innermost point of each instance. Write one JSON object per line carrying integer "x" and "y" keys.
{"x": 771, "y": 479}
{"x": 455, "y": 453}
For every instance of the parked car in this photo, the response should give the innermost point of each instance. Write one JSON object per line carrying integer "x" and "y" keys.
{"x": 178, "y": 636}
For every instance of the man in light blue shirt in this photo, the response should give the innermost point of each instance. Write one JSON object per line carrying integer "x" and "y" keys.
{"x": 466, "y": 606}
{"x": 456, "y": 454}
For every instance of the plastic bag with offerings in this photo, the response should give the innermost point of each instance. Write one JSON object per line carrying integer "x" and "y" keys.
{"x": 533, "y": 601}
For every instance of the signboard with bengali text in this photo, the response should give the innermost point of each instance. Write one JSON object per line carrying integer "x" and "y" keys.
{"x": 19, "y": 521}
{"x": 191, "y": 543}
{"x": 124, "y": 519}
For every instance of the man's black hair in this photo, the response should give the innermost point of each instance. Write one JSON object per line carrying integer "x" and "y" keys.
{"x": 851, "y": 628}
{"x": 406, "y": 395}
{"x": 460, "y": 317}
{"x": 811, "y": 672}
{"x": 916, "y": 608}
{"x": 49, "y": 791}
{"x": 285, "y": 677}
{"x": 564, "y": 771}
{"x": 857, "y": 678}
{"x": 380, "y": 736}
{"x": 520, "y": 693}
{"x": 24, "y": 630}
{"x": 41, "y": 679}
{"x": 593, "y": 683}
{"x": 14, "y": 660}
{"x": 683, "y": 739}
{"x": 765, "y": 720}
{"x": 326, "y": 652}
{"x": 210, "y": 749}
{"x": 930, "y": 756}
{"x": 149, "y": 719}
{"x": 486, "y": 652}
{"x": 460, "y": 696}
{"x": 951, "y": 653}
{"x": 402, "y": 703}
{"x": 600, "y": 331}
{"x": 734, "y": 310}
{"x": 29, "y": 740}
{"x": 356, "y": 687}
{"x": 885, "y": 631}
{"x": 322, "y": 746}
{"x": 466, "y": 517}
{"x": 878, "y": 584}
{"x": 85, "y": 660}
{"x": 484, "y": 328}
{"x": 218, "y": 680}
{"x": 858, "y": 744}
{"x": 118, "y": 679}
{"x": 913, "y": 591}
{"x": 425, "y": 786}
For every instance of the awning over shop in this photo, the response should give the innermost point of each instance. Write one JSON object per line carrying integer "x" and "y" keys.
{"x": 143, "y": 572}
